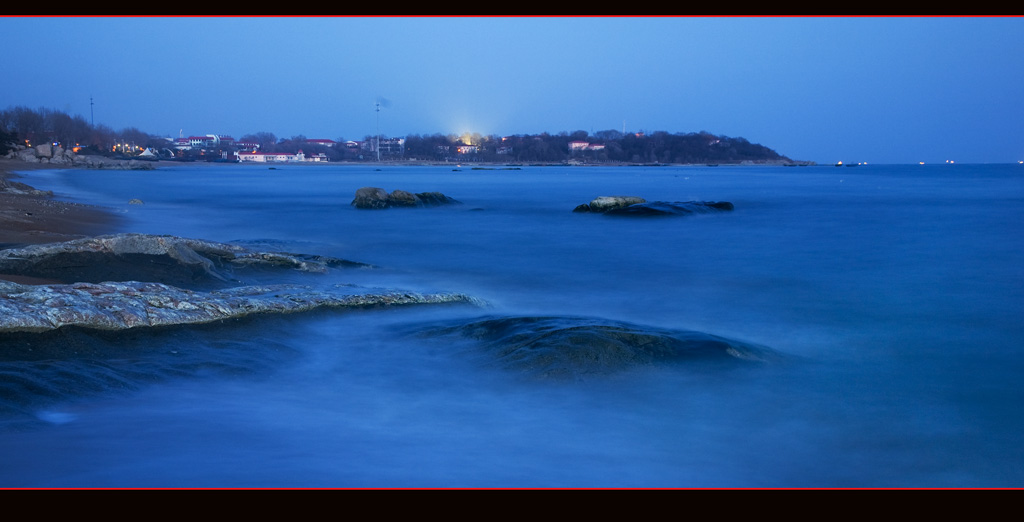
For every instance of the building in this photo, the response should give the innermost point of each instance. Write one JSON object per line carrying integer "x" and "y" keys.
{"x": 248, "y": 145}
{"x": 270, "y": 157}
{"x": 388, "y": 146}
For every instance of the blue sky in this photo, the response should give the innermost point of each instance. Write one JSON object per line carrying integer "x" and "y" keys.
{"x": 875, "y": 89}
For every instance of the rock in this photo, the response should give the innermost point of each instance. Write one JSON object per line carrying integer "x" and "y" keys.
{"x": 433, "y": 199}
{"x": 44, "y": 151}
{"x": 603, "y": 204}
{"x": 637, "y": 206}
{"x": 27, "y": 155}
{"x": 163, "y": 259}
{"x": 378, "y": 198}
{"x": 664, "y": 208}
{"x": 135, "y": 201}
{"x": 568, "y": 347}
{"x": 14, "y": 187}
{"x": 371, "y": 198}
{"x": 401, "y": 198}
{"x": 127, "y": 305}
{"x": 606, "y": 203}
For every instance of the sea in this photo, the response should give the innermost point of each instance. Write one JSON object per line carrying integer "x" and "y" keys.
{"x": 893, "y": 294}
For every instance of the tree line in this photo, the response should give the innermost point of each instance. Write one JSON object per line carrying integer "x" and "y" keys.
{"x": 608, "y": 146}
{"x": 21, "y": 125}
{"x": 25, "y": 126}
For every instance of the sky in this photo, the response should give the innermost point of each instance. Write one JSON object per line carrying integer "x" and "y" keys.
{"x": 824, "y": 89}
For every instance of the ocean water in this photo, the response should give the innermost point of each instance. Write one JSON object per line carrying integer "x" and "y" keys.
{"x": 895, "y": 292}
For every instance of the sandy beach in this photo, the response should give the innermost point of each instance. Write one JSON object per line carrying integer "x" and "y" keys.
{"x": 33, "y": 218}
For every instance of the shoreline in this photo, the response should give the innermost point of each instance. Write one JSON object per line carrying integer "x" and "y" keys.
{"x": 29, "y": 216}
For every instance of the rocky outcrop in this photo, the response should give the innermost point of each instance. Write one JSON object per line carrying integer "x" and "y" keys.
{"x": 161, "y": 259}
{"x": 127, "y": 281}
{"x": 636, "y": 206}
{"x": 127, "y": 305}
{"x": 378, "y": 198}
{"x": 56, "y": 155}
{"x": 567, "y": 347}
{"x": 605, "y": 203}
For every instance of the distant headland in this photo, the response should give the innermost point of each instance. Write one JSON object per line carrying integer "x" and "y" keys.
{"x": 49, "y": 136}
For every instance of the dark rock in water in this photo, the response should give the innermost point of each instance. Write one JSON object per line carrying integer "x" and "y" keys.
{"x": 141, "y": 257}
{"x": 569, "y": 347}
{"x": 433, "y": 199}
{"x": 378, "y": 198}
{"x": 371, "y": 197}
{"x": 636, "y": 206}
{"x": 401, "y": 198}
{"x": 605, "y": 203}
{"x": 665, "y": 208}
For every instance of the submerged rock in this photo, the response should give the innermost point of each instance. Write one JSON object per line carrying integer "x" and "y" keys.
{"x": 636, "y": 206}
{"x": 567, "y": 347}
{"x": 378, "y": 198}
{"x": 140, "y": 257}
{"x": 633, "y": 206}
{"x": 126, "y": 305}
{"x": 665, "y": 208}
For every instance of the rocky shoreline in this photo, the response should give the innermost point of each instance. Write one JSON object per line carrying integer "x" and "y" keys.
{"x": 125, "y": 281}
{"x": 55, "y": 271}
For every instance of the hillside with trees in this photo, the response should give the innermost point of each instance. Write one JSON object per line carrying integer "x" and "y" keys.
{"x": 24, "y": 127}
{"x": 603, "y": 147}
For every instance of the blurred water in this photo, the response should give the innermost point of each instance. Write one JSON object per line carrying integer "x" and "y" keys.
{"x": 897, "y": 289}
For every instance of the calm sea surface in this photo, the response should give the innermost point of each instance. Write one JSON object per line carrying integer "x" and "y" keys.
{"x": 898, "y": 292}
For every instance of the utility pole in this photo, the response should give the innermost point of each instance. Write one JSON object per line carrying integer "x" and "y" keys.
{"x": 92, "y": 118}
{"x": 378, "y": 131}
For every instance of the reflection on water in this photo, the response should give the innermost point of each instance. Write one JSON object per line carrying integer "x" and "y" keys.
{"x": 895, "y": 290}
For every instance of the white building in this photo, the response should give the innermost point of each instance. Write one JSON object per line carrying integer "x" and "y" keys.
{"x": 270, "y": 157}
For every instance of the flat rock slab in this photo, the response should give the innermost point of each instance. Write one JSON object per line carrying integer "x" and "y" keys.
{"x": 142, "y": 257}
{"x": 124, "y": 305}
